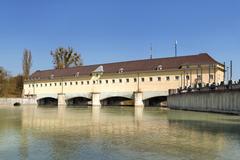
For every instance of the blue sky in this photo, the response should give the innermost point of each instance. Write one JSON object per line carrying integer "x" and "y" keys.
{"x": 116, "y": 30}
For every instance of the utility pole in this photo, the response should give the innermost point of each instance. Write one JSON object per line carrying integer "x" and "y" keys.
{"x": 138, "y": 83}
{"x": 224, "y": 73}
{"x": 227, "y": 73}
{"x": 176, "y": 48}
{"x": 231, "y": 70}
{"x": 151, "y": 49}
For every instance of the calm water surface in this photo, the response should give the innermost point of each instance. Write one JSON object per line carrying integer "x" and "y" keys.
{"x": 31, "y": 132}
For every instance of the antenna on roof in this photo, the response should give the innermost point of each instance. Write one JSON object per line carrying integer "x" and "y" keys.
{"x": 176, "y": 48}
{"x": 151, "y": 49}
{"x": 231, "y": 70}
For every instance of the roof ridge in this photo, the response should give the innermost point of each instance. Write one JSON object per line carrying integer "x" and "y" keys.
{"x": 132, "y": 65}
{"x": 128, "y": 61}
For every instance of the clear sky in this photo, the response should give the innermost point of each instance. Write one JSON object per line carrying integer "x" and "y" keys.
{"x": 116, "y": 30}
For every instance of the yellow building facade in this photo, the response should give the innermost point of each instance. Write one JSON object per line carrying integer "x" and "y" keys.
{"x": 144, "y": 79}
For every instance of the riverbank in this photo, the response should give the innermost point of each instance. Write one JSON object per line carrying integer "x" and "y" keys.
{"x": 15, "y": 101}
{"x": 222, "y": 101}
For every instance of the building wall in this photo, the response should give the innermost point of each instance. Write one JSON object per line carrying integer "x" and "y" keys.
{"x": 124, "y": 82}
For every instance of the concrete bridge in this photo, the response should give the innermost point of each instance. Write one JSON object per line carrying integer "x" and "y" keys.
{"x": 138, "y": 82}
{"x": 104, "y": 98}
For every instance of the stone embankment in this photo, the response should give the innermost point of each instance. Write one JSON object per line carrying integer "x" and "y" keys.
{"x": 17, "y": 101}
{"x": 220, "y": 101}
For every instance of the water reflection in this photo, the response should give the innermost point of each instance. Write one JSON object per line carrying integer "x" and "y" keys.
{"x": 118, "y": 133}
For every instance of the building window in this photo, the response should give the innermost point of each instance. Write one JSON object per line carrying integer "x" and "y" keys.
{"x": 100, "y": 81}
{"x": 187, "y": 77}
{"x": 211, "y": 76}
{"x": 106, "y": 81}
{"x": 36, "y": 85}
{"x": 55, "y": 84}
{"x": 65, "y": 83}
{"x": 142, "y": 79}
{"x": 150, "y": 79}
{"x": 159, "y": 78}
{"x": 29, "y": 85}
{"x": 77, "y": 74}
{"x": 135, "y": 79}
{"x": 33, "y": 85}
{"x": 94, "y": 82}
{"x": 70, "y": 83}
{"x": 127, "y": 80}
{"x": 199, "y": 77}
{"x": 50, "y": 84}
{"x": 41, "y": 85}
{"x": 60, "y": 83}
{"x": 52, "y": 76}
{"x": 159, "y": 67}
{"x": 45, "y": 84}
{"x": 76, "y": 83}
{"x": 87, "y": 82}
{"x": 82, "y": 82}
{"x": 176, "y": 78}
{"x": 120, "y": 80}
{"x": 168, "y": 78}
{"x": 121, "y": 70}
{"x": 113, "y": 81}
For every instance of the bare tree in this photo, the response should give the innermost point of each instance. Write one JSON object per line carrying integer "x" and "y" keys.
{"x": 66, "y": 57}
{"x": 27, "y": 63}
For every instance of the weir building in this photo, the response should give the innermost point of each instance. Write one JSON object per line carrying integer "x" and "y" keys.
{"x": 138, "y": 82}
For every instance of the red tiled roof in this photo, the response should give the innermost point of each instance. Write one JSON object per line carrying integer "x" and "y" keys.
{"x": 129, "y": 66}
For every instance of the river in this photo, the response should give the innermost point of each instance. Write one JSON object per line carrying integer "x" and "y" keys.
{"x": 116, "y": 133}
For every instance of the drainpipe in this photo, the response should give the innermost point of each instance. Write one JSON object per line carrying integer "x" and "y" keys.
{"x": 214, "y": 68}
{"x": 184, "y": 78}
{"x": 62, "y": 85}
{"x": 227, "y": 73}
{"x": 224, "y": 73}
{"x": 181, "y": 80}
{"x": 209, "y": 71}
{"x": 34, "y": 87}
{"x": 138, "y": 87}
{"x": 231, "y": 70}
{"x": 190, "y": 78}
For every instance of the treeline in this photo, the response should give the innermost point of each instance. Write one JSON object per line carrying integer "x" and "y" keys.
{"x": 12, "y": 86}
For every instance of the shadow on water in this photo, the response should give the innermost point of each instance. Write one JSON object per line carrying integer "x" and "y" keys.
{"x": 205, "y": 122}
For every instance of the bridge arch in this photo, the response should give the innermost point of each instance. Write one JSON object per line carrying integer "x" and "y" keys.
{"x": 16, "y": 104}
{"x": 78, "y": 101}
{"x": 156, "y": 101}
{"x": 51, "y": 101}
{"x": 117, "y": 101}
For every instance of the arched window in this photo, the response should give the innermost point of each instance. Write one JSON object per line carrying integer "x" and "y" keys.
{"x": 52, "y": 76}
{"x": 121, "y": 70}
{"x": 159, "y": 67}
{"x": 77, "y": 74}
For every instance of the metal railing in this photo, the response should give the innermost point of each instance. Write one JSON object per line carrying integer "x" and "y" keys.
{"x": 207, "y": 88}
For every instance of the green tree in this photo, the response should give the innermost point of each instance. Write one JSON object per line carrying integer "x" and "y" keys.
{"x": 66, "y": 57}
{"x": 27, "y": 63}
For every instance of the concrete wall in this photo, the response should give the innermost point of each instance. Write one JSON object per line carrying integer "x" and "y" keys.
{"x": 22, "y": 101}
{"x": 215, "y": 101}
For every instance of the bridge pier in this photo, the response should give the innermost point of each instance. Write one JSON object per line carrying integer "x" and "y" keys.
{"x": 96, "y": 99}
{"x": 61, "y": 99}
{"x": 138, "y": 99}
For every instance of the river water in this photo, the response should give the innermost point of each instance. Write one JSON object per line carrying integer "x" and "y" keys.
{"x": 121, "y": 133}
